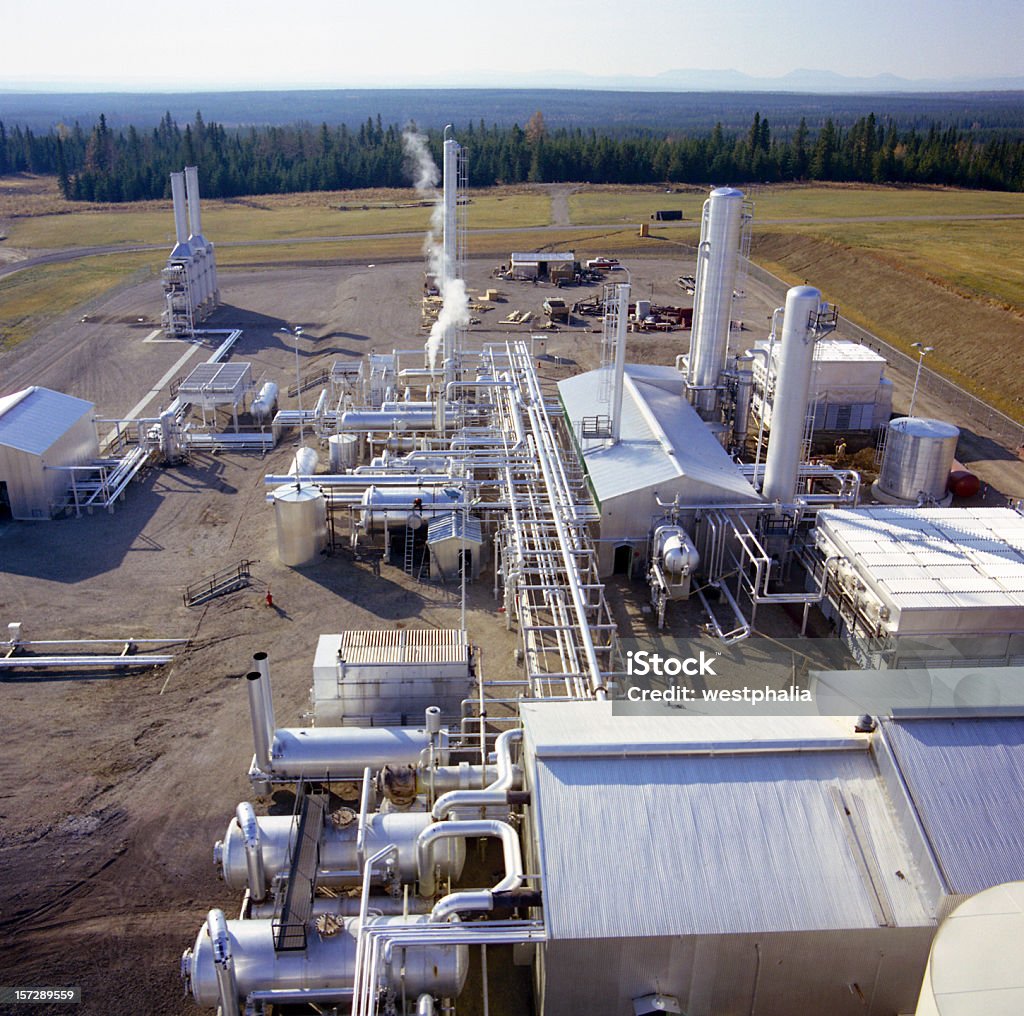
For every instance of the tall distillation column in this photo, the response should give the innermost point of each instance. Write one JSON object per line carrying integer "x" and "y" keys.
{"x": 451, "y": 260}
{"x": 721, "y": 223}
{"x": 789, "y": 408}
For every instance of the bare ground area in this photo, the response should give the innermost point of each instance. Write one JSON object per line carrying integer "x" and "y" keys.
{"x": 116, "y": 786}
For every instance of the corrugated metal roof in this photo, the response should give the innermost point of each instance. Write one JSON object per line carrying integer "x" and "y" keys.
{"x": 663, "y": 440}
{"x": 455, "y": 525}
{"x": 33, "y": 419}
{"x": 404, "y": 645}
{"x": 719, "y": 844}
{"x": 966, "y": 780}
{"x": 217, "y": 378}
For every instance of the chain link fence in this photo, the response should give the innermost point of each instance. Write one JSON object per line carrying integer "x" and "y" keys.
{"x": 1002, "y": 428}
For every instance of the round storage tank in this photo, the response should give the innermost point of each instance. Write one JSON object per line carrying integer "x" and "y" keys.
{"x": 344, "y": 451}
{"x": 917, "y": 460}
{"x": 301, "y": 514}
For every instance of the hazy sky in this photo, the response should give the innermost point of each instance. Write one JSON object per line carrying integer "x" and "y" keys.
{"x": 191, "y": 46}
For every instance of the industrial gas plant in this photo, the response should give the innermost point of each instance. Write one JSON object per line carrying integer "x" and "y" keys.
{"x": 457, "y": 816}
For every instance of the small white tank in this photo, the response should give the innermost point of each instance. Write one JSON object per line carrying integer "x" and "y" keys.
{"x": 344, "y": 451}
{"x": 301, "y": 514}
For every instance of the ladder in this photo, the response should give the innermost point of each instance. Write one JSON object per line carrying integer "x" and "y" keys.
{"x": 410, "y": 547}
{"x": 289, "y": 925}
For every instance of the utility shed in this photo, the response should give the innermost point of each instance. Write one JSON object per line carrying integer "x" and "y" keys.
{"x": 554, "y": 266}
{"x": 454, "y": 539}
{"x": 390, "y": 677}
{"x": 733, "y": 864}
{"x": 41, "y": 432}
{"x": 665, "y": 451}
{"x": 912, "y": 586}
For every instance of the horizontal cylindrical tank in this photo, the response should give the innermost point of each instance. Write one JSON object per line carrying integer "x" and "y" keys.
{"x": 328, "y": 962}
{"x": 678, "y": 554}
{"x": 344, "y": 752}
{"x": 395, "y": 505}
{"x": 337, "y": 848}
{"x": 421, "y": 419}
{"x": 917, "y": 459}
{"x": 963, "y": 483}
{"x": 265, "y": 402}
{"x": 304, "y": 462}
{"x": 301, "y": 514}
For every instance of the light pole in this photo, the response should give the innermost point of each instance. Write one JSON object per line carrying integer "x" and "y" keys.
{"x": 298, "y": 379}
{"x": 922, "y": 352}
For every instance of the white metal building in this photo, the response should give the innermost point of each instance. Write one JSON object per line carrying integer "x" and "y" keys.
{"x": 42, "y": 431}
{"x": 452, "y": 539}
{"x": 665, "y": 450}
{"x": 848, "y": 389}
{"x": 391, "y": 676}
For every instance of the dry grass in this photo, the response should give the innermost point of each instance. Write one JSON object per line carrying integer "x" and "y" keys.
{"x": 31, "y": 299}
{"x": 34, "y": 216}
{"x": 974, "y": 340}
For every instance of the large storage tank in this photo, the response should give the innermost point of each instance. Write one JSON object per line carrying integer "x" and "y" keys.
{"x": 301, "y": 513}
{"x": 917, "y": 460}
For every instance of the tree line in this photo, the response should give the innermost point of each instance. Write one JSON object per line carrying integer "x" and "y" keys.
{"x": 103, "y": 164}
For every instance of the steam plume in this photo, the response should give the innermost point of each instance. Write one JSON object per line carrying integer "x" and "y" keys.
{"x": 454, "y": 298}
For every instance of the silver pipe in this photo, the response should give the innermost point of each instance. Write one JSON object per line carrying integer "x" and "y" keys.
{"x": 258, "y": 712}
{"x": 475, "y": 899}
{"x": 425, "y": 1005}
{"x": 496, "y": 792}
{"x": 224, "y": 963}
{"x": 263, "y": 666}
{"x": 246, "y": 816}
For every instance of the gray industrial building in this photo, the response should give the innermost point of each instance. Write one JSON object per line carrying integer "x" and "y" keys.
{"x": 734, "y": 865}
{"x": 664, "y": 451}
{"x": 42, "y": 433}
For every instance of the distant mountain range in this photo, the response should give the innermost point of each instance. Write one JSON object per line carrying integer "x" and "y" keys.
{"x": 803, "y": 81}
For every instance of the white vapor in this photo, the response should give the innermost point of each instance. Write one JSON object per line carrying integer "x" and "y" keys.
{"x": 454, "y": 298}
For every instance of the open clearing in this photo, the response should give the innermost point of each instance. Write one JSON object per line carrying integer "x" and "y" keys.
{"x": 953, "y": 282}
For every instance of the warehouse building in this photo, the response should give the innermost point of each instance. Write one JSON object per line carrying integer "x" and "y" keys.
{"x": 42, "y": 433}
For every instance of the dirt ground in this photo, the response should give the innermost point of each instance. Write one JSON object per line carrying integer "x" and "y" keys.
{"x": 116, "y": 786}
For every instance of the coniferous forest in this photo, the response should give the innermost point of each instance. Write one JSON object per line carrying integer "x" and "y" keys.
{"x": 103, "y": 164}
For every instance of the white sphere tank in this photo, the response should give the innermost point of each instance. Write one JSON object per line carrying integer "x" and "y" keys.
{"x": 301, "y": 514}
{"x": 917, "y": 459}
{"x": 344, "y": 451}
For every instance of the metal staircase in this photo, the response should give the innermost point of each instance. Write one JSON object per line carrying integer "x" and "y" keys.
{"x": 290, "y": 922}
